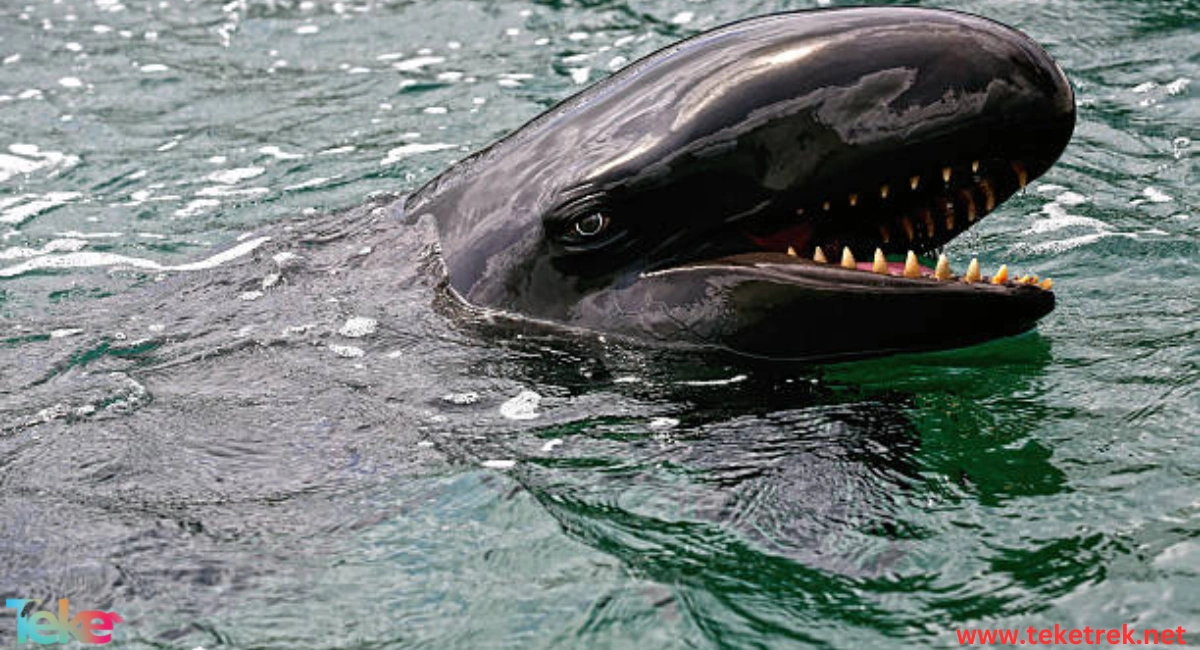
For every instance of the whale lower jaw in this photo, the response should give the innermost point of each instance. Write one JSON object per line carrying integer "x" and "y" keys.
{"x": 770, "y": 306}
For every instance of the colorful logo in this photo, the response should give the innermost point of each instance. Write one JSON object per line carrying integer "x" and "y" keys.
{"x": 44, "y": 628}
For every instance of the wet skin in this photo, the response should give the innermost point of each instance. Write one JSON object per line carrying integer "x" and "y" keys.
{"x": 660, "y": 204}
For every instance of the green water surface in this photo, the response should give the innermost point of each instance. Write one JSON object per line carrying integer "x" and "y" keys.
{"x": 307, "y": 448}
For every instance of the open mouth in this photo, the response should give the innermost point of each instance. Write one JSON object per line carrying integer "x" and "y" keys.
{"x": 899, "y": 225}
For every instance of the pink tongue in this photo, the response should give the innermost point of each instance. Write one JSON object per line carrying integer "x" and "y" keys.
{"x": 894, "y": 268}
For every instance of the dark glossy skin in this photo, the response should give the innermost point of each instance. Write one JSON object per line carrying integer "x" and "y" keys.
{"x": 703, "y": 161}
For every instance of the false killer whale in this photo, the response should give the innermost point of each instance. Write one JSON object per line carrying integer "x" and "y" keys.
{"x": 719, "y": 192}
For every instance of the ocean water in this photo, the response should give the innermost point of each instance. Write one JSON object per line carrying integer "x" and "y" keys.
{"x": 236, "y": 408}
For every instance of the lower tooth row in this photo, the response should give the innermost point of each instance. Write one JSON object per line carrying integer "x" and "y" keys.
{"x": 912, "y": 268}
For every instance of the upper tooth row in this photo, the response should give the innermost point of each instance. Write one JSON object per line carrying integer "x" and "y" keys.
{"x": 912, "y": 268}
{"x": 914, "y": 182}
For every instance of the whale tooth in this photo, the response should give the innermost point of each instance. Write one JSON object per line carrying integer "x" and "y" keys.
{"x": 819, "y": 256}
{"x": 912, "y": 269}
{"x": 880, "y": 264}
{"x": 884, "y": 190}
{"x": 948, "y": 212}
{"x": 853, "y": 200}
{"x": 848, "y": 258}
{"x": 799, "y": 212}
{"x": 974, "y": 166}
{"x": 972, "y": 275}
{"x": 989, "y": 195}
{"x": 1046, "y": 284}
{"x": 969, "y": 201}
{"x": 1001, "y": 275}
{"x": 914, "y": 182}
{"x": 1024, "y": 279}
{"x": 791, "y": 252}
{"x": 908, "y": 228}
{"x": 1022, "y": 175}
{"x": 929, "y": 228}
{"x": 942, "y": 272}
{"x": 946, "y": 171}
{"x": 825, "y": 206}
{"x": 885, "y": 234}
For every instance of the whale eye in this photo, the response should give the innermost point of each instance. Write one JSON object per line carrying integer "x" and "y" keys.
{"x": 591, "y": 225}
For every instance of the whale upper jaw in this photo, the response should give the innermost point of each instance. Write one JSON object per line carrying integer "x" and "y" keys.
{"x": 758, "y": 187}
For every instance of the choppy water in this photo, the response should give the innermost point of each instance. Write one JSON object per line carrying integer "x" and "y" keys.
{"x": 298, "y": 443}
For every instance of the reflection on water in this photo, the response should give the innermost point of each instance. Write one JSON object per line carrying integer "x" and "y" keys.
{"x": 307, "y": 444}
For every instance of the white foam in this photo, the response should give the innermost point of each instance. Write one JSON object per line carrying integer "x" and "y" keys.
{"x": 96, "y": 259}
{"x": 28, "y": 158}
{"x": 522, "y": 407}
{"x": 21, "y": 212}
{"x": 13, "y": 165}
{"x": 499, "y": 463}
{"x": 279, "y": 154}
{"x": 236, "y": 175}
{"x": 196, "y": 207}
{"x": 1063, "y": 245}
{"x": 224, "y": 190}
{"x": 90, "y": 235}
{"x": 416, "y": 63}
{"x": 736, "y": 379}
{"x": 1155, "y": 195}
{"x": 358, "y": 327}
{"x": 312, "y": 182}
{"x": 1058, "y": 218}
{"x": 1071, "y": 198}
{"x": 404, "y": 151}
{"x": 53, "y": 246}
{"x": 347, "y": 351}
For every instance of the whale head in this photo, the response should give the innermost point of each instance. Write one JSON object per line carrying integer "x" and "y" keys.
{"x": 755, "y": 188}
